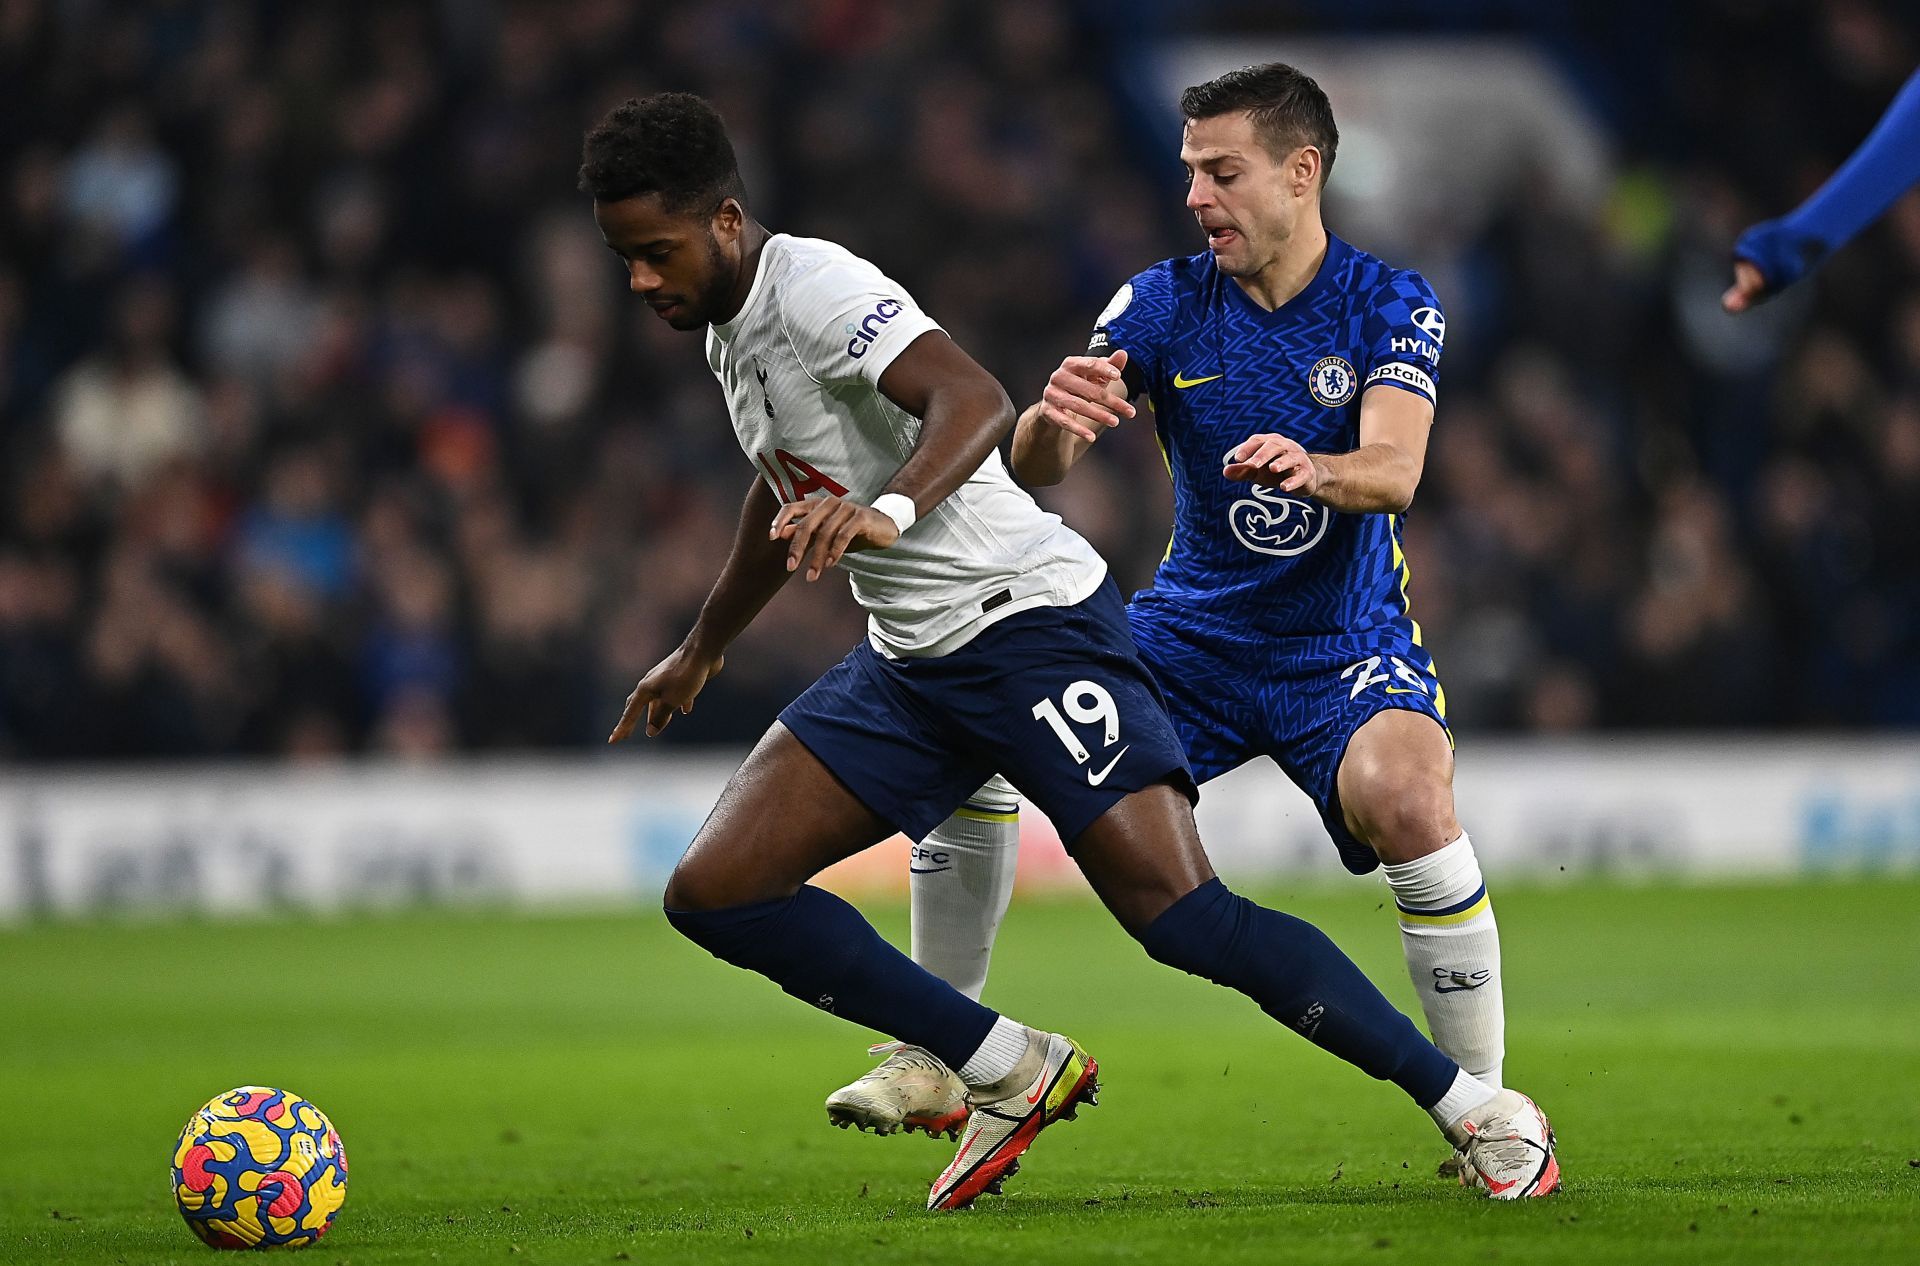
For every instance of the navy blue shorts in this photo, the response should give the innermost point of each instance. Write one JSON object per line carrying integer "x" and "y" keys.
{"x": 1234, "y": 696}
{"x": 1054, "y": 698}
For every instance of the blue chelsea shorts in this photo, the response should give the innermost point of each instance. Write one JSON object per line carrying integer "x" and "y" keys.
{"x": 1233, "y": 696}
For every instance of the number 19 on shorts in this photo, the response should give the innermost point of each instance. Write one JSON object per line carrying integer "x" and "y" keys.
{"x": 1088, "y": 703}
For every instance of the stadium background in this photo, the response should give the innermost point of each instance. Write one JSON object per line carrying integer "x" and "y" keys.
{"x": 344, "y": 494}
{"x": 338, "y": 465}
{"x": 328, "y": 428}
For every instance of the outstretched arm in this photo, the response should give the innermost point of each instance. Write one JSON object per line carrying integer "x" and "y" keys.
{"x": 1773, "y": 255}
{"x": 964, "y": 413}
{"x": 1379, "y": 477}
{"x": 754, "y": 572}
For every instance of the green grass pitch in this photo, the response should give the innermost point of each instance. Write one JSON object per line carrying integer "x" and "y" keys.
{"x": 1734, "y": 1073}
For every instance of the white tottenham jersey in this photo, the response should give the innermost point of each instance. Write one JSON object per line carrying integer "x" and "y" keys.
{"x": 801, "y": 366}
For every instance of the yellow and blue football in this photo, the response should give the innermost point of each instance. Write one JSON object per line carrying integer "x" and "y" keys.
{"x": 259, "y": 1168}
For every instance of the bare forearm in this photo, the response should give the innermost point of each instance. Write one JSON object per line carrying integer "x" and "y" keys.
{"x": 755, "y": 570}
{"x": 1372, "y": 479}
{"x": 963, "y": 412}
{"x": 958, "y": 432}
{"x": 1043, "y": 453}
{"x": 1376, "y": 478}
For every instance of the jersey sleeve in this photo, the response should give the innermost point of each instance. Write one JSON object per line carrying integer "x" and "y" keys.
{"x": 1405, "y": 332}
{"x": 1886, "y": 165}
{"x": 1135, "y": 320}
{"x": 848, "y": 323}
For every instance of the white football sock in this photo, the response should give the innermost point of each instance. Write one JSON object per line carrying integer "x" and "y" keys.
{"x": 962, "y": 879}
{"x": 1453, "y": 955}
{"x": 1467, "y": 1093}
{"x": 1006, "y": 1043}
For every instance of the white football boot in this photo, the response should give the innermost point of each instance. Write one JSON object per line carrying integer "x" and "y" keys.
{"x": 1506, "y": 1148}
{"x": 910, "y": 1090}
{"x": 1049, "y": 1084}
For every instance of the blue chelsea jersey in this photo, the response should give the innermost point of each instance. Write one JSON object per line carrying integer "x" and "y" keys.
{"x": 1218, "y": 368}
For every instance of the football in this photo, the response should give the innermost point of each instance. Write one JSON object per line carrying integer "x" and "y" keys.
{"x": 259, "y": 1168}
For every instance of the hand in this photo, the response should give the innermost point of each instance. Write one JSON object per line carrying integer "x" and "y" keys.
{"x": 1749, "y": 287}
{"x": 1277, "y": 462}
{"x": 1079, "y": 397}
{"x": 823, "y": 529}
{"x": 1768, "y": 258}
{"x": 668, "y": 687}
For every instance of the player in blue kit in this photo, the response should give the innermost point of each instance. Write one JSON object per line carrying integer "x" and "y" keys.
{"x": 1292, "y": 378}
{"x": 996, "y": 641}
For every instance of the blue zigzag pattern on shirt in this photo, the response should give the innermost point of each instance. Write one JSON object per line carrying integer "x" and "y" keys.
{"x": 1218, "y": 369}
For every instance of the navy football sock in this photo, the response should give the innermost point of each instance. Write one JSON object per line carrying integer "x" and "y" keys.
{"x": 1301, "y": 979}
{"x": 819, "y": 949}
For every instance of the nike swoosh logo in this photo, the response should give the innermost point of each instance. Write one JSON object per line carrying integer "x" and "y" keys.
{"x": 1094, "y": 780}
{"x": 1402, "y": 690}
{"x": 1183, "y": 382}
{"x": 930, "y": 870}
{"x": 1457, "y": 988}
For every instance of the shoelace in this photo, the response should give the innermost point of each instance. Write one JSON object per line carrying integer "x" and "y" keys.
{"x": 1505, "y": 1150}
{"x": 901, "y": 1053}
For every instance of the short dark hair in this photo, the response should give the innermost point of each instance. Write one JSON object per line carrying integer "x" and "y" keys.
{"x": 672, "y": 143}
{"x": 1287, "y": 107}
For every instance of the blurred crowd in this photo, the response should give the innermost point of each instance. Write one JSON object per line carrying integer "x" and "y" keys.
{"x": 326, "y": 425}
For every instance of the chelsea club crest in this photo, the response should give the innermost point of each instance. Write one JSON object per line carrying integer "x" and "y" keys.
{"x": 1332, "y": 381}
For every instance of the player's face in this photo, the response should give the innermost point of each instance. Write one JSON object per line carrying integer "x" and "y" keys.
{"x": 1247, "y": 201}
{"x": 684, "y": 264}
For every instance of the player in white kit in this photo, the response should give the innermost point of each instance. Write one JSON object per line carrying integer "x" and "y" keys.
{"x": 996, "y": 642}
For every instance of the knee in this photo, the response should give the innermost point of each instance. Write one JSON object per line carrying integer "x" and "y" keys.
{"x": 1139, "y": 909}
{"x": 737, "y": 925}
{"x": 683, "y": 893}
{"x": 695, "y": 887}
{"x": 720, "y": 870}
{"x": 1194, "y": 934}
{"x": 1400, "y": 814}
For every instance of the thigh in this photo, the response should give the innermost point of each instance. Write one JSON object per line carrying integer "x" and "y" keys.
{"x": 1322, "y": 694}
{"x": 1395, "y": 785}
{"x": 1143, "y": 854}
{"x": 782, "y": 819}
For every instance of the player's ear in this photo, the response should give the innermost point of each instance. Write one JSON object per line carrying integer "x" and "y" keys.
{"x": 728, "y": 220}
{"x": 1303, "y": 170}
